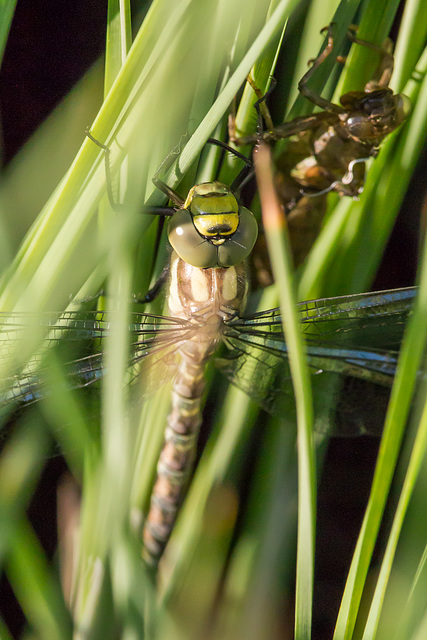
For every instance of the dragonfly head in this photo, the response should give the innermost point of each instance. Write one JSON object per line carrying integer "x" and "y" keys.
{"x": 374, "y": 113}
{"x": 212, "y": 230}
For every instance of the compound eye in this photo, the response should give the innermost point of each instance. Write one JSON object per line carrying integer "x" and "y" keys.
{"x": 187, "y": 242}
{"x": 238, "y": 247}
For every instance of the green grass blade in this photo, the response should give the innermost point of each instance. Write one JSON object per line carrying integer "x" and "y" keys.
{"x": 7, "y": 9}
{"x": 39, "y": 593}
{"x": 417, "y": 458}
{"x": 278, "y": 242}
{"x": 4, "y": 632}
{"x": 414, "y": 15}
{"x": 20, "y": 466}
{"x": 402, "y": 391}
{"x": 119, "y": 39}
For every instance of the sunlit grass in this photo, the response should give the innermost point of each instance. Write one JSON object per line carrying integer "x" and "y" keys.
{"x": 227, "y": 567}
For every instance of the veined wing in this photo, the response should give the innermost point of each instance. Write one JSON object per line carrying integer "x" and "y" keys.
{"x": 367, "y": 318}
{"x": 340, "y": 338}
{"x": 82, "y": 341}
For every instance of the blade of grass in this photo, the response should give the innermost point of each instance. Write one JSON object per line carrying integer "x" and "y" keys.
{"x": 70, "y": 427}
{"x": 39, "y": 593}
{"x": 401, "y": 396}
{"x": 417, "y": 458}
{"x": 20, "y": 466}
{"x": 408, "y": 581}
{"x": 4, "y": 631}
{"x": 262, "y": 560}
{"x": 414, "y": 15}
{"x": 119, "y": 40}
{"x": 278, "y": 242}
{"x": 7, "y": 9}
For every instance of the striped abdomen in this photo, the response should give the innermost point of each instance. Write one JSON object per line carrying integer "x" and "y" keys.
{"x": 205, "y": 297}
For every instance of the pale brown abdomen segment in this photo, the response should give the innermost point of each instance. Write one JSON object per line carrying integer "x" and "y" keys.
{"x": 176, "y": 458}
{"x": 205, "y": 297}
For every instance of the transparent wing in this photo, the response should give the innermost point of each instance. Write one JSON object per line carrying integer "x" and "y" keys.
{"x": 82, "y": 341}
{"x": 376, "y": 319}
{"x": 340, "y": 334}
{"x": 339, "y": 331}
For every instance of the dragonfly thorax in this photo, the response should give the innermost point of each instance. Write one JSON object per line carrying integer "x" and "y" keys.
{"x": 212, "y": 230}
{"x": 206, "y": 296}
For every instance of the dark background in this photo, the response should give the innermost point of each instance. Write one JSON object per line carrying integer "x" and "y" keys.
{"x": 43, "y": 60}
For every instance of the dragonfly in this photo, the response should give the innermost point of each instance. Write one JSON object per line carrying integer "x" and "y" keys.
{"x": 327, "y": 150}
{"x": 352, "y": 337}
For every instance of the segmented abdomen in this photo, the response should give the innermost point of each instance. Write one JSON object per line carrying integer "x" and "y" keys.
{"x": 205, "y": 297}
{"x": 177, "y": 456}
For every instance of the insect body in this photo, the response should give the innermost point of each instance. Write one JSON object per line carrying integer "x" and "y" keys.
{"x": 354, "y": 336}
{"x": 211, "y": 236}
{"x": 351, "y": 338}
{"x": 328, "y": 149}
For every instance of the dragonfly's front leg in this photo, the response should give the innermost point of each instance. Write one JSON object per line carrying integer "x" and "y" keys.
{"x": 154, "y": 291}
{"x": 165, "y": 165}
{"x": 118, "y": 207}
{"x": 108, "y": 179}
{"x": 263, "y": 113}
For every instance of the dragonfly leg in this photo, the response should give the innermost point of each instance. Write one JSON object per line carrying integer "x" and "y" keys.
{"x": 86, "y": 299}
{"x": 385, "y": 66}
{"x": 165, "y": 211}
{"x": 261, "y": 104}
{"x": 109, "y": 182}
{"x": 154, "y": 291}
{"x": 245, "y": 174}
{"x": 263, "y": 113}
{"x": 302, "y": 85}
{"x": 165, "y": 165}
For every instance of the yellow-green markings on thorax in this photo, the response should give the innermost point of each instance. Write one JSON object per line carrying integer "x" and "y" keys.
{"x": 219, "y": 291}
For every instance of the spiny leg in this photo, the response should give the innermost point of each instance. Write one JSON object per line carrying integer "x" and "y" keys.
{"x": 302, "y": 84}
{"x": 261, "y": 104}
{"x": 168, "y": 211}
{"x": 164, "y": 166}
{"x": 116, "y": 206}
{"x": 154, "y": 291}
{"x": 385, "y": 67}
{"x": 108, "y": 179}
{"x": 262, "y": 112}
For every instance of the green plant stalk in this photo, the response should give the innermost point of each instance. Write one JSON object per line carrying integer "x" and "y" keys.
{"x": 416, "y": 460}
{"x": 7, "y": 10}
{"x": 279, "y": 249}
{"x": 408, "y": 366}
